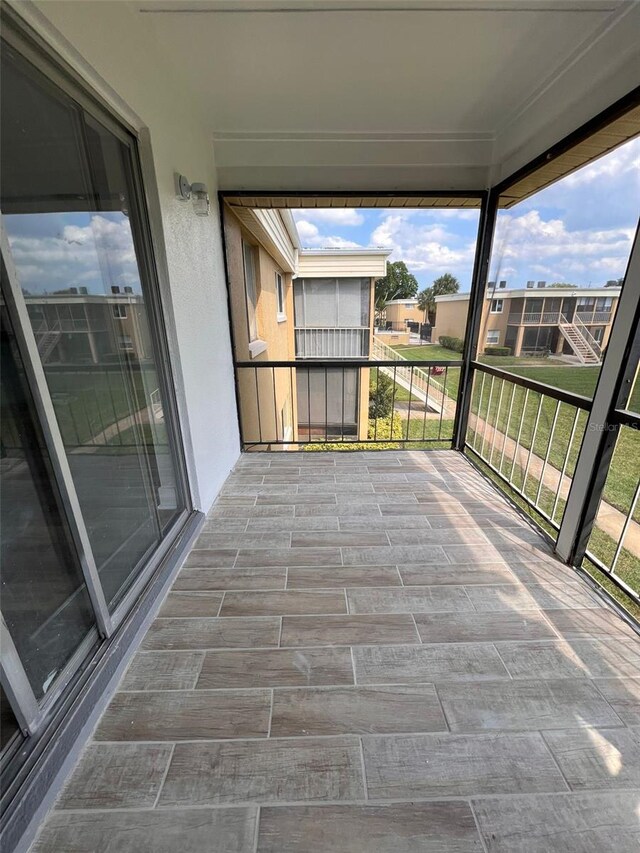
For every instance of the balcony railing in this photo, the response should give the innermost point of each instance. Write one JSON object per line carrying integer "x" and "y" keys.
{"x": 289, "y": 405}
{"x": 320, "y": 342}
{"x": 593, "y": 317}
{"x": 528, "y": 434}
{"x": 552, "y": 318}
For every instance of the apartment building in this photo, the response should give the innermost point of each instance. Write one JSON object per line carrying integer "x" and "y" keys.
{"x": 403, "y": 314}
{"x": 75, "y": 327}
{"x": 563, "y": 321}
{"x": 291, "y": 304}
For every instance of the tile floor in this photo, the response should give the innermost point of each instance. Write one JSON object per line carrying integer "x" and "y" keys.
{"x": 366, "y": 652}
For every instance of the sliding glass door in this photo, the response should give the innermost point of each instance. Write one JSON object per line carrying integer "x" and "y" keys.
{"x": 90, "y": 461}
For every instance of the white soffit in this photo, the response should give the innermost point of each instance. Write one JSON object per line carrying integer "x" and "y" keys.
{"x": 414, "y": 93}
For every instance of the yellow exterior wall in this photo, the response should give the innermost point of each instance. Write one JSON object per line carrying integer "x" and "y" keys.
{"x": 398, "y": 313}
{"x": 273, "y": 388}
{"x": 451, "y": 319}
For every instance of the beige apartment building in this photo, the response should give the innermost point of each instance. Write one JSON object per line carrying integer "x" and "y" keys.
{"x": 304, "y": 305}
{"x": 562, "y": 321}
{"x": 402, "y": 314}
{"x": 75, "y": 327}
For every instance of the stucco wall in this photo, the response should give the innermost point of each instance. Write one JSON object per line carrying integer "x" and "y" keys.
{"x": 110, "y": 47}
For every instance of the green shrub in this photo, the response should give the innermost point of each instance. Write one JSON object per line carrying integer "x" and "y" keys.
{"x": 382, "y": 430}
{"x": 455, "y": 344}
{"x": 497, "y": 350}
{"x": 380, "y": 395}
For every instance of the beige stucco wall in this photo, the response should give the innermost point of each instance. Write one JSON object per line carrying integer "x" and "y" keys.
{"x": 263, "y": 393}
{"x": 451, "y": 319}
{"x": 399, "y": 313}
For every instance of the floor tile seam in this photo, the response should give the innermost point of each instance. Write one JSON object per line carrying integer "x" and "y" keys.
{"x": 379, "y": 801}
{"x": 271, "y": 699}
{"x": 417, "y": 682}
{"x": 555, "y": 760}
{"x": 164, "y": 775}
{"x": 363, "y": 769}
{"x": 256, "y": 829}
{"x": 351, "y": 738}
{"x": 346, "y": 738}
{"x": 594, "y": 682}
{"x": 476, "y": 822}
{"x": 502, "y": 661}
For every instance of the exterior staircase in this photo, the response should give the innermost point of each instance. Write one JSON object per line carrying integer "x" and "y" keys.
{"x": 581, "y": 341}
{"x": 47, "y": 342}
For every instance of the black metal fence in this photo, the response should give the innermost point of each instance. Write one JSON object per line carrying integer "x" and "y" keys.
{"x": 347, "y": 404}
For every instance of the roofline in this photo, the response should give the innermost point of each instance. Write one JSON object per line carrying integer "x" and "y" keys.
{"x": 350, "y": 251}
{"x": 402, "y": 301}
{"x": 499, "y": 293}
{"x": 290, "y": 226}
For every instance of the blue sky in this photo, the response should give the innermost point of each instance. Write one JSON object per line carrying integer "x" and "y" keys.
{"x": 55, "y": 251}
{"x": 578, "y": 230}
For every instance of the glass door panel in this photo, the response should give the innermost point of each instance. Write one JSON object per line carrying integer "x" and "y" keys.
{"x": 44, "y": 598}
{"x": 73, "y": 227}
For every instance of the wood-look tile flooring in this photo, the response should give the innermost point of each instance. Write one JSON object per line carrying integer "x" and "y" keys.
{"x": 366, "y": 652}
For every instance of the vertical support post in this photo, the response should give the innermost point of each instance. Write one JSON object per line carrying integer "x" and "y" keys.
{"x": 474, "y": 319}
{"x": 601, "y": 431}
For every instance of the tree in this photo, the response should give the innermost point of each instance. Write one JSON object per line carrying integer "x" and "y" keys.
{"x": 560, "y": 284}
{"x": 426, "y": 302}
{"x": 398, "y": 283}
{"x": 442, "y": 286}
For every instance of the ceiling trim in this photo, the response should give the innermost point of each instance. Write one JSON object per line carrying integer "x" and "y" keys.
{"x": 240, "y": 7}
{"x": 351, "y": 199}
{"x": 350, "y": 136}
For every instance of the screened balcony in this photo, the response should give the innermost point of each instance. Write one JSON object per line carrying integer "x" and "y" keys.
{"x": 274, "y": 581}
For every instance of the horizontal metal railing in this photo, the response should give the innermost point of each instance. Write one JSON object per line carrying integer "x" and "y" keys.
{"x": 591, "y": 317}
{"x": 528, "y": 434}
{"x": 344, "y": 403}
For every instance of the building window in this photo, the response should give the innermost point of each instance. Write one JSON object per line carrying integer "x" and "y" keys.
{"x": 126, "y": 343}
{"x": 598, "y": 333}
{"x": 119, "y": 312}
{"x": 280, "y": 298}
{"x": 251, "y": 289}
{"x": 493, "y": 337}
{"x": 496, "y": 306}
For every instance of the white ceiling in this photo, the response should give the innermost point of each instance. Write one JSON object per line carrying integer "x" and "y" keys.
{"x": 346, "y": 92}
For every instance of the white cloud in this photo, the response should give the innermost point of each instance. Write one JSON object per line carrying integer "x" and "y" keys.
{"x": 339, "y": 216}
{"x": 310, "y": 237}
{"x": 425, "y": 247}
{"x": 100, "y": 253}
{"x": 529, "y": 245}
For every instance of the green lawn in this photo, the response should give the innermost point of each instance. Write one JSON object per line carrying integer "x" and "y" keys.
{"x": 624, "y": 472}
{"x": 89, "y": 401}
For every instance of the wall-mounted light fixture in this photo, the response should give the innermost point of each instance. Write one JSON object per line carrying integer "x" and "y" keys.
{"x": 196, "y": 192}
